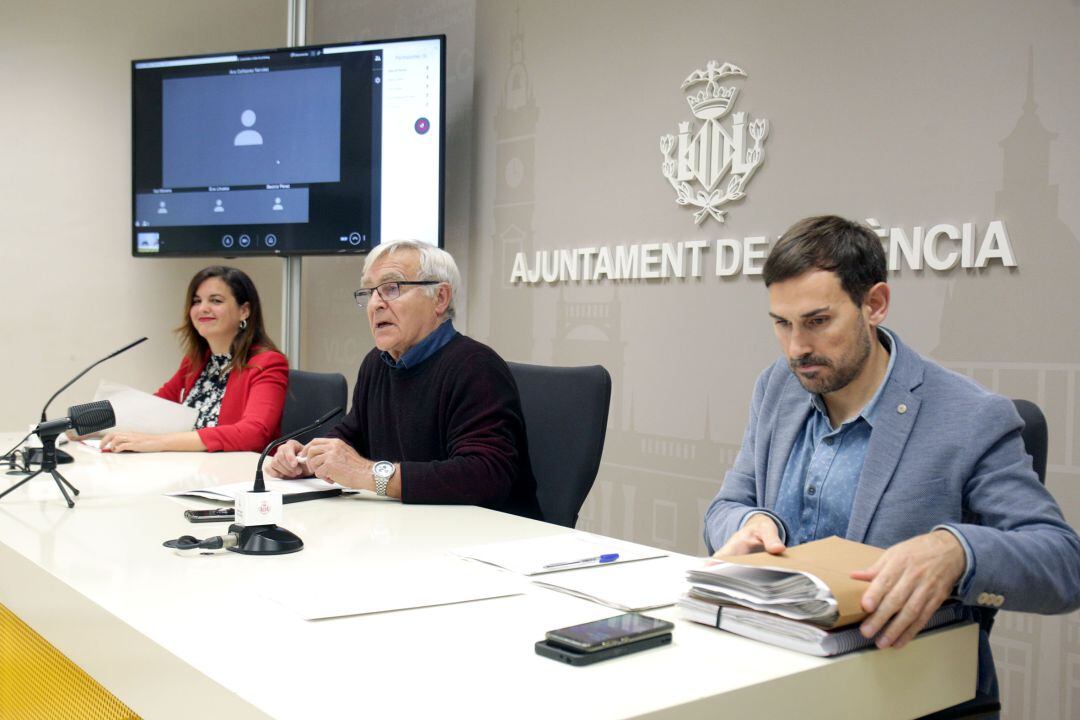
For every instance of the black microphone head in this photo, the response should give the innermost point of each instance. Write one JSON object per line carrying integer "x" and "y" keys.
{"x": 92, "y": 417}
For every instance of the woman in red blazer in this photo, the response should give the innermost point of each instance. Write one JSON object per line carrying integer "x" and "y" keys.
{"x": 231, "y": 372}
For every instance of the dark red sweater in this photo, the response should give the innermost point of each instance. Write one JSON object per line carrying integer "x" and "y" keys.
{"x": 453, "y": 422}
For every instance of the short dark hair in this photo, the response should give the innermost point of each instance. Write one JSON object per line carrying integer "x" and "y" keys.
{"x": 828, "y": 242}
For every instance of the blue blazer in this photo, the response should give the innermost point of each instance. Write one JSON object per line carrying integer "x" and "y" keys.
{"x": 946, "y": 452}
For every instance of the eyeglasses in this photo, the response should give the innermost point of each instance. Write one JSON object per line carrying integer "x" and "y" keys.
{"x": 388, "y": 290}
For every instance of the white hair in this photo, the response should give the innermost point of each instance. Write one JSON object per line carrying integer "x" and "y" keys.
{"x": 435, "y": 264}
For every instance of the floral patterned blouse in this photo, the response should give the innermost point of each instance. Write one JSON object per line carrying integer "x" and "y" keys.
{"x": 209, "y": 389}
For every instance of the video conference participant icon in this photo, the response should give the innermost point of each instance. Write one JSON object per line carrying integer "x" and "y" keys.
{"x": 218, "y": 207}
{"x": 249, "y": 136}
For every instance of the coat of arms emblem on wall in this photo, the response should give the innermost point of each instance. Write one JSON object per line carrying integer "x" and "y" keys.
{"x": 710, "y": 166}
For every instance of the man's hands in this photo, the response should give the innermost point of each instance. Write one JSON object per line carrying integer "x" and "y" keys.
{"x": 908, "y": 584}
{"x": 328, "y": 459}
{"x": 335, "y": 460}
{"x": 285, "y": 463}
{"x": 759, "y": 533}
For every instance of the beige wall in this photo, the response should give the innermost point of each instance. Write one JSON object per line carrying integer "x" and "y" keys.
{"x": 912, "y": 113}
{"x": 72, "y": 292}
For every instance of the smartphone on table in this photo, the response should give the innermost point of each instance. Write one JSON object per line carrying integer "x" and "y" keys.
{"x": 603, "y": 639}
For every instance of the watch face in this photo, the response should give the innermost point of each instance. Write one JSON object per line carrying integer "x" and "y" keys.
{"x": 383, "y": 468}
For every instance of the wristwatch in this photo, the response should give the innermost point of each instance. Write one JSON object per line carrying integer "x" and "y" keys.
{"x": 383, "y": 470}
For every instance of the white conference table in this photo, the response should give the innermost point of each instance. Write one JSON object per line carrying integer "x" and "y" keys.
{"x": 193, "y": 636}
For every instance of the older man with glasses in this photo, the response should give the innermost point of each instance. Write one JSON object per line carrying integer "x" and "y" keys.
{"x": 435, "y": 416}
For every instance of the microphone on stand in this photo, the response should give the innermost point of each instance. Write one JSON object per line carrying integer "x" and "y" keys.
{"x": 35, "y": 455}
{"x": 83, "y": 419}
{"x": 88, "y": 418}
{"x": 71, "y": 382}
{"x": 259, "y": 511}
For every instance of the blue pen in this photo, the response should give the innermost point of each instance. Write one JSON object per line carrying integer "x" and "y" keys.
{"x": 599, "y": 560}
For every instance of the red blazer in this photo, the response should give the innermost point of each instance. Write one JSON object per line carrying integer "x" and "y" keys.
{"x": 251, "y": 407}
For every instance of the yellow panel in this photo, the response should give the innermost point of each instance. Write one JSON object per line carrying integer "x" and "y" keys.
{"x": 38, "y": 682}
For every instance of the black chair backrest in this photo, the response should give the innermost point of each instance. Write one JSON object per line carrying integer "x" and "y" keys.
{"x": 1035, "y": 443}
{"x": 310, "y": 395}
{"x": 1035, "y": 434}
{"x": 566, "y": 411}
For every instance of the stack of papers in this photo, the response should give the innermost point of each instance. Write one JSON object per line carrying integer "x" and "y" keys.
{"x": 791, "y": 634}
{"x": 803, "y": 599}
{"x": 810, "y": 582}
{"x": 790, "y": 594}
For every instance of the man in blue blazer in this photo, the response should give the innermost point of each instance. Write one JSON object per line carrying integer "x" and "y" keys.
{"x": 854, "y": 434}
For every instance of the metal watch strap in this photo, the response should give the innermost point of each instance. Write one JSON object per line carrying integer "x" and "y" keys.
{"x": 382, "y": 481}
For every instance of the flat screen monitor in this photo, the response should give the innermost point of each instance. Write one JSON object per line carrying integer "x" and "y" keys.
{"x": 298, "y": 151}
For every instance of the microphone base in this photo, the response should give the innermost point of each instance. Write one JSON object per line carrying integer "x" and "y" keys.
{"x": 48, "y": 465}
{"x": 34, "y": 457}
{"x": 265, "y": 540}
{"x": 28, "y": 456}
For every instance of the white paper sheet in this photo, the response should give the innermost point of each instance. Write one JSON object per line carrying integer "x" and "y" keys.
{"x": 630, "y": 587}
{"x": 441, "y": 582}
{"x": 532, "y": 556}
{"x": 139, "y": 411}
{"x": 232, "y": 491}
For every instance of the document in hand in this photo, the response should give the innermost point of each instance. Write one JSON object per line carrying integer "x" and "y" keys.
{"x": 792, "y": 634}
{"x": 804, "y": 599}
{"x": 810, "y": 582}
{"x": 142, "y": 412}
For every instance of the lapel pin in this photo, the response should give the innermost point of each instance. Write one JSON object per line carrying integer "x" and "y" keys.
{"x": 901, "y": 408}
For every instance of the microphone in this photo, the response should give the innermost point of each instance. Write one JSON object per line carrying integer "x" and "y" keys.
{"x": 84, "y": 419}
{"x": 258, "y": 510}
{"x": 260, "y": 486}
{"x": 71, "y": 382}
{"x": 35, "y": 455}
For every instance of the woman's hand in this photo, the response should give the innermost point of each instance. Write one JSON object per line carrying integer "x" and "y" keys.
{"x": 125, "y": 441}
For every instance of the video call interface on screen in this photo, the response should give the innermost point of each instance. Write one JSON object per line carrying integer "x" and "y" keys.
{"x": 304, "y": 150}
